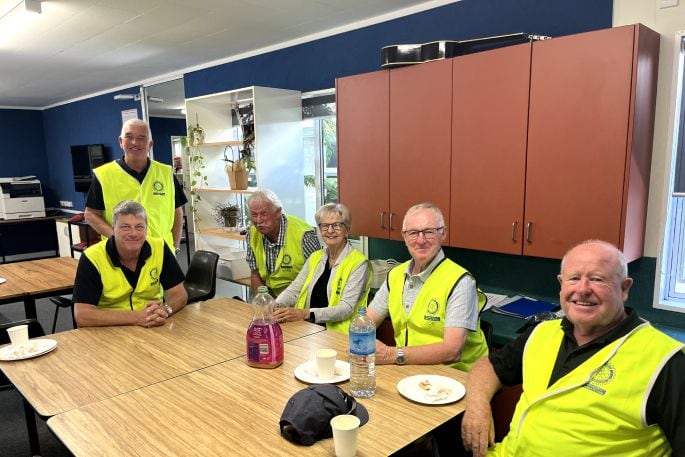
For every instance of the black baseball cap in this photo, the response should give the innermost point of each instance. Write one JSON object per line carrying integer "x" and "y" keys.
{"x": 307, "y": 415}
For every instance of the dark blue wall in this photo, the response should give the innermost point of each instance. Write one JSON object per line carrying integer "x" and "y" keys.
{"x": 95, "y": 120}
{"x": 163, "y": 129}
{"x": 315, "y": 65}
{"x": 23, "y": 145}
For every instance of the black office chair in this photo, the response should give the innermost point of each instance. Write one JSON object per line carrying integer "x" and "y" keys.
{"x": 62, "y": 302}
{"x": 486, "y": 327}
{"x": 200, "y": 280}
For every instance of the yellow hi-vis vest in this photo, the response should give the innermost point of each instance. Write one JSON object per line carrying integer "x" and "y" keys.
{"x": 425, "y": 323}
{"x": 349, "y": 264}
{"x": 117, "y": 293}
{"x": 290, "y": 259}
{"x": 599, "y": 408}
{"x": 156, "y": 194}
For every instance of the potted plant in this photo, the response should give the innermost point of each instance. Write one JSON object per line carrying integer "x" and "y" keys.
{"x": 236, "y": 169}
{"x": 245, "y": 116}
{"x": 227, "y": 214}
{"x": 191, "y": 144}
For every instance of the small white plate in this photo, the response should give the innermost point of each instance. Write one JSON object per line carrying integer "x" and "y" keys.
{"x": 32, "y": 349}
{"x": 2, "y": 280}
{"x": 431, "y": 389}
{"x": 307, "y": 372}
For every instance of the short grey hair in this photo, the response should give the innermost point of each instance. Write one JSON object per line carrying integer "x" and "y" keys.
{"x": 420, "y": 207}
{"x": 129, "y": 208}
{"x": 337, "y": 209}
{"x": 621, "y": 264}
{"x": 137, "y": 123}
{"x": 265, "y": 196}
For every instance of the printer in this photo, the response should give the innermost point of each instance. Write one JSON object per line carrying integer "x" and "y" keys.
{"x": 21, "y": 198}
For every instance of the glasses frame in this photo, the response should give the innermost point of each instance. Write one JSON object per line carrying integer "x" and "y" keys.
{"x": 413, "y": 235}
{"x": 336, "y": 226}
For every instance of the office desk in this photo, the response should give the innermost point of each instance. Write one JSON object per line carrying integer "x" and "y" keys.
{"x": 35, "y": 279}
{"x": 95, "y": 363}
{"x": 233, "y": 409}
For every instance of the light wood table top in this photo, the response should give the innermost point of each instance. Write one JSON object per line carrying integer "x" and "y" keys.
{"x": 40, "y": 276}
{"x": 92, "y": 364}
{"x": 233, "y": 409}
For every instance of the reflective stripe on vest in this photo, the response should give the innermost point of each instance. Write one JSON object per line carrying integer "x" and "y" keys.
{"x": 156, "y": 194}
{"x": 290, "y": 259}
{"x": 425, "y": 323}
{"x": 117, "y": 293}
{"x": 342, "y": 273}
{"x": 596, "y": 409}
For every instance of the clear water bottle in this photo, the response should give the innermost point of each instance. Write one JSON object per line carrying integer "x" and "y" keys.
{"x": 362, "y": 355}
{"x": 264, "y": 335}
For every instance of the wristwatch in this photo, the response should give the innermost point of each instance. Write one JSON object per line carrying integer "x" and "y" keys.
{"x": 399, "y": 357}
{"x": 178, "y": 249}
{"x": 168, "y": 309}
{"x": 312, "y": 317}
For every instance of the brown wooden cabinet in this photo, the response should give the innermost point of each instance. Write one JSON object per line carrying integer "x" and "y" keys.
{"x": 550, "y": 143}
{"x": 394, "y": 144}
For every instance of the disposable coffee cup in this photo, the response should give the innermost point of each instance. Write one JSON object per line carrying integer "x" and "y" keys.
{"x": 345, "y": 430}
{"x": 325, "y": 363}
{"x": 19, "y": 334}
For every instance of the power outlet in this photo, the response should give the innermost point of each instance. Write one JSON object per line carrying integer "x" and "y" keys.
{"x": 66, "y": 204}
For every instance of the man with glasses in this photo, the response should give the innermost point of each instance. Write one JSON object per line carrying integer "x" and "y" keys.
{"x": 433, "y": 303}
{"x": 278, "y": 244}
{"x": 122, "y": 281}
{"x": 136, "y": 177}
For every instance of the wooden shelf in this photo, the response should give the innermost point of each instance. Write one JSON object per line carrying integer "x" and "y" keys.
{"x": 220, "y": 232}
{"x": 226, "y": 190}
{"x": 223, "y": 143}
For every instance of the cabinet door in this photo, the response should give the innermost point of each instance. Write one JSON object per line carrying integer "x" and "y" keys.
{"x": 420, "y": 139}
{"x": 579, "y": 116}
{"x": 363, "y": 170}
{"x": 489, "y": 129}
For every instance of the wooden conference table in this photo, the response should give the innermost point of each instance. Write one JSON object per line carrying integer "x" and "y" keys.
{"x": 33, "y": 279}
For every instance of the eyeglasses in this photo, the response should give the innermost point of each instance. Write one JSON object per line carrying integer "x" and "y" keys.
{"x": 428, "y": 233}
{"x": 337, "y": 226}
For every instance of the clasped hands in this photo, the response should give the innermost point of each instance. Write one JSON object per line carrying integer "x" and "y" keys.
{"x": 289, "y": 314}
{"x": 153, "y": 315}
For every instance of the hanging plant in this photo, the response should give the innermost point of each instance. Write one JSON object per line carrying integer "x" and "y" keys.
{"x": 191, "y": 144}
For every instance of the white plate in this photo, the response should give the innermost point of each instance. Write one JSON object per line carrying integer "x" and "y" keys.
{"x": 431, "y": 389}
{"x": 2, "y": 280}
{"x": 307, "y": 372}
{"x": 34, "y": 349}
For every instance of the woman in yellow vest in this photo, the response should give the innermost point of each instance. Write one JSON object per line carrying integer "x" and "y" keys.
{"x": 334, "y": 281}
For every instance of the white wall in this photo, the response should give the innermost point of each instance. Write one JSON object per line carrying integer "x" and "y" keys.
{"x": 666, "y": 22}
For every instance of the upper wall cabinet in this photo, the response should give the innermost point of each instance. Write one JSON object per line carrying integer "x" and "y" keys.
{"x": 394, "y": 144}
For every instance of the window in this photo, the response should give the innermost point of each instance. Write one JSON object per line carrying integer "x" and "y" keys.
{"x": 320, "y": 149}
{"x": 670, "y": 284}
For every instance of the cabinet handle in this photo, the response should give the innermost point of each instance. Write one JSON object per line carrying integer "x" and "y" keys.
{"x": 382, "y": 219}
{"x": 390, "y": 227}
{"x": 529, "y": 231}
{"x": 513, "y": 231}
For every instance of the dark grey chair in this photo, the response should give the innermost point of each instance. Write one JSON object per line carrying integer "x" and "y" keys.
{"x": 62, "y": 302}
{"x": 200, "y": 280}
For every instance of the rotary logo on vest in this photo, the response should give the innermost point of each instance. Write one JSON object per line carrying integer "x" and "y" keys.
{"x": 154, "y": 276}
{"x": 285, "y": 264}
{"x": 431, "y": 309}
{"x": 604, "y": 375}
{"x": 158, "y": 188}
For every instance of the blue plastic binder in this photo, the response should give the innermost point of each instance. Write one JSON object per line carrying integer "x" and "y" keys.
{"x": 524, "y": 307}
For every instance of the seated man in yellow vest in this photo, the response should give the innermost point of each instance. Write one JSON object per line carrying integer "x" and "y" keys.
{"x": 600, "y": 381}
{"x": 433, "y": 303}
{"x": 136, "y": 177}
{"x": 278, "y": 244}
{"x": 122, "y": 281}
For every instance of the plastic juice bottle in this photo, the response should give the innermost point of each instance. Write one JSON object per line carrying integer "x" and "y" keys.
{"x": 264, "y": 335}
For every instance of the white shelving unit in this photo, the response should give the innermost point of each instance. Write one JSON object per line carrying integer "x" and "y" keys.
{"x": 278, "y": 153}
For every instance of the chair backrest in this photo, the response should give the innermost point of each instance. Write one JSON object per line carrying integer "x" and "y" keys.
{"x": 200, "y": 280}
{"x": 35, "y": 329}
{"x": 486, "y": 327}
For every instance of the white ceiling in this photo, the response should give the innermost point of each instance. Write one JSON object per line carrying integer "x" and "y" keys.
{"x": 77, "y": 48}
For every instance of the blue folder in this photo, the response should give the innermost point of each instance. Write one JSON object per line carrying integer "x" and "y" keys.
{"x": 525, "y": 307}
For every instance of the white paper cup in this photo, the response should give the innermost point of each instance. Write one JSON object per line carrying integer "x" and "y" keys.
{"x": 19, "y": 334}
{"x": 345, "y": 430}
{"x": 325, "y": 363}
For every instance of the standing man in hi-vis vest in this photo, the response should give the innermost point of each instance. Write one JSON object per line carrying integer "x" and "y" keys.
{"x": 136, "y": 177}
{"x": 278, "y": 244}
{"x": 600, "y": 381}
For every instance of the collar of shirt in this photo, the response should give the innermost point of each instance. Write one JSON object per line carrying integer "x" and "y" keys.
{"x": 139, "y": 176}
{"x": 341, "y": 256}
{"x": 145, "y": 252}
{"x": 629, "y": 323}
{"x": 423, "y": 276}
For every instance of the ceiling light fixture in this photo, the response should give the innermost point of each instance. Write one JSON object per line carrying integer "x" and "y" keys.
{"x": 136, "y": 97}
